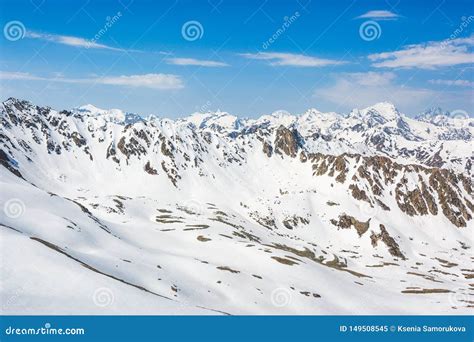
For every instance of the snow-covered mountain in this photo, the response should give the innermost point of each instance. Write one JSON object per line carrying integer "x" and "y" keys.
{"x": 318, "y": 213}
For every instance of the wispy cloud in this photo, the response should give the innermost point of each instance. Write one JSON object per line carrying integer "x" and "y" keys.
{"x": 153, "y": 81}
{"x": 372, "y": 78}
{"x": 196, "y": 62}
{"x": 364, "y": 89}
{"x": 70, "y": 41}
{"x": 460, "y": 83}
{"x": 290, "y": 59}
{"x": 429, "y": 55}
{"x": 379, "y": 15}
{"x": 6, "y": 75}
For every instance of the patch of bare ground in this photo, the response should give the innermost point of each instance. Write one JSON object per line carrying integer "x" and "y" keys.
{"x": 221, "y": 219}
{"x": 265, "y": 221}
{"x": 446, "y": 263}
{"x": 246, "y": 235}
{"x": 291, "y": 222}
{"x": 389, "y": 241}
{"x": 425, "y": 276}
{"x": 227, "y": 268}
{"x": 426, "y": 291}
{"x": 196, "y": 227}
{"x": 309, "y": 294}
{"x": 166, "y": 218}
{"x": 284, "y": 261}
{"x": 203, "y": 238}
{"x": 442, "y": 272}
{"x": 308, "y": 254}
{"x": 383, "y": 264}
{"x": 187, "y": 210}
{"x": 165, "y": 211}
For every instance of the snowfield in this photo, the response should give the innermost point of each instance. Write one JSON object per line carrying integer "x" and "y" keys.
{"x": 108, "y": 213}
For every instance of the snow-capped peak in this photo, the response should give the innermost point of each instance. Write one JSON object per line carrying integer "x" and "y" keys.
{"x": 313, "y": 113}
{"x": 90, "y": 109}
{"x": 435, "y": 115}
{"x": 380, "y": 113}
{"x": 386, "y": 110}
{"x": 277, "y": 118}
{"x": 114, "y": 115}
{"x": 432, "y": 112}
{"x": 214, "y": 120}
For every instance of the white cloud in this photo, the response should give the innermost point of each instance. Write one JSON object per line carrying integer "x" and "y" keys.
{"x": 197, "y": 62}
{"x": 460, "y": 83}
{"x": 364, "y": 89}
{"x": 290, "y": 59}
{"x": 372, "y": 78}
{"x": 153, "y": 81}
{"x": 6, "y": 75}
{"x": 430, "y": 55}
{"x": 70, "y": 41}
{"x": 379, "y": 15}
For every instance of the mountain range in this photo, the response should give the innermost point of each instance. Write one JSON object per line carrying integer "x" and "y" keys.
{"x": 106, "y": 211}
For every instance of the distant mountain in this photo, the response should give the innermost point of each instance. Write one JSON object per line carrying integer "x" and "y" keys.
{"x": 318, "y": 213}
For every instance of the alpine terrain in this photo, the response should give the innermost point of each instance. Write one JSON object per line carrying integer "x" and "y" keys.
{"x": 104, "y": 211}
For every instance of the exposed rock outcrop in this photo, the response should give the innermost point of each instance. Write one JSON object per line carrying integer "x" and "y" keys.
{"x": 346, "y": 221}
{"x": 286, "y": 141}
{"x": 389, "y": 241}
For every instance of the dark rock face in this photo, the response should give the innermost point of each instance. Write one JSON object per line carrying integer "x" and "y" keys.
{"x": 7, "y": 163}
{"x": 346, "y": 222}
{"x": 323, "y": 164}
{"x": 286, "y": 141}
{"x": 434, "y": 188}
{"x": 166, "y": 147}
{"x": 415, "y": 202}
{"x": 171, "y": 173}
{"x": 303, "y": 157}
{"x": 78, "y": 139}
{"x": 389, "y": 241}
{"x": 267, "y": 149}
{"x": 149, "y": 169}
{"x": 130, "y": 148}
{"x": 358, "y": 194}
{"x": 111, "y": 153}
{"x": 293, "y": 221}
{"x": 456, "y": 208}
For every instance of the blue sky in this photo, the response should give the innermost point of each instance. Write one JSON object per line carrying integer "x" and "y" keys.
{"x": 172, "y": 58}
